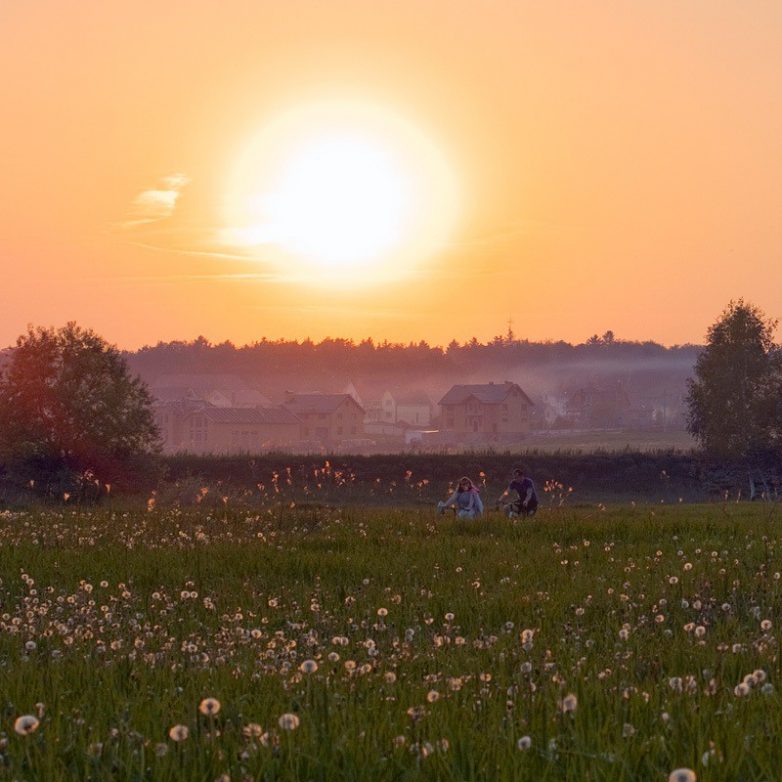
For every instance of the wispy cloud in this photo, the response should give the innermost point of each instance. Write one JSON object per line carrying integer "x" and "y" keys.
{"x": 157, "y": 203}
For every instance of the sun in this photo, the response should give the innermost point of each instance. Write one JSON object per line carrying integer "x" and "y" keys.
{"x": 342, "y": 194}
{"x": 341, "y": 201}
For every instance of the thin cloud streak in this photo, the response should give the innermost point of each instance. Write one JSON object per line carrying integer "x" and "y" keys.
{"x": 158, "y": 203}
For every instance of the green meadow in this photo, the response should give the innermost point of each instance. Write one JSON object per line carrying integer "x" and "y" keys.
{"x": 315, "y": 643}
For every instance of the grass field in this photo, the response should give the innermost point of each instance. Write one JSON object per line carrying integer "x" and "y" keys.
{"x": 596, "y": 643}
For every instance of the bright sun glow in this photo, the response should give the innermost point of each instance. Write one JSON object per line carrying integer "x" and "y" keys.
{"x": 341, "y": 193}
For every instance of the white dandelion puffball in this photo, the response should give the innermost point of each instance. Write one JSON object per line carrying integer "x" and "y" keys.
{"x": 209, "y": 706}
{"x": 524, "y": 743}
{"x": 308, "y": 666}
{"x": 26, "y": 724}
{"x": 179, "y": 733}
{"x": 288, "y": 722}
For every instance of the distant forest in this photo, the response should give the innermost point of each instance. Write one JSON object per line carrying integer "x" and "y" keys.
{"x": 541, "y": 368}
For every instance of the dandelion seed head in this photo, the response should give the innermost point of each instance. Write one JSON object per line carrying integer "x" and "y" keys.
{"x": 288, "y": 721}
{"x": 209, "y": 706}
{"x": 26, "y": 724}
{"x": 179, "y": 733}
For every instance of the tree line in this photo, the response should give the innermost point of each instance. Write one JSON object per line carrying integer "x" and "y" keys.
{"x": 367, "y": 356}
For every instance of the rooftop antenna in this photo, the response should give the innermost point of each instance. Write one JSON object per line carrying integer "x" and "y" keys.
{"x": 511, "y": 337}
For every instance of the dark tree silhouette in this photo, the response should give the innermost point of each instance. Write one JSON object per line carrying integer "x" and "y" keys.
{"x": 71, "y": 415}
{"x": 735, "y": 398}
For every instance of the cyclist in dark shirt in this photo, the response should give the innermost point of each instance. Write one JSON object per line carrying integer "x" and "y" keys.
{"x": 527, "y": 502}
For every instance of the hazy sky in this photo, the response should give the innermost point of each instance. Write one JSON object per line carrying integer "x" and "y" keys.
{"x": 618, "y": 164}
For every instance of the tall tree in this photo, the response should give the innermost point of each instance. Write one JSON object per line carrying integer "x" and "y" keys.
{"x": 71, "y": 414}
{"x": 735, "y": 399}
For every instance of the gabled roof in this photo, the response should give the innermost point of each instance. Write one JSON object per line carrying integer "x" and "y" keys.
{"x": 318, "y": 403}
{"x": 249, "y": 416}
{"x": 487, "y": 393}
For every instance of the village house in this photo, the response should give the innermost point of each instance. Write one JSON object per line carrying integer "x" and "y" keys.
{"x": 411, "y": 409}
{"x": 226, "y": 430}
{"x": 488, "y": 412}
{"x": 414, "y": 409}
{"x": 327, "y": 418}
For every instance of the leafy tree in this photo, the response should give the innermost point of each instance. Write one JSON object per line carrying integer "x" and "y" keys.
{"x": 735, "y": 399}
{"x": 71, "y": 415}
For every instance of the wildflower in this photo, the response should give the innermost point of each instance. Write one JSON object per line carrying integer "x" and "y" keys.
{"x": 628, "y": 730}
{"x": 569, "y": 704}
{"x": 209, "y": 706}
{"x": 740, "y": 690}
{"x": 765, "y": 625}
{"x": 382, "y": 612}
{"x": 179, "y": 733}
{"x": 524, "y": 743}
{"x": 432, "y": 696}
{"x": 308, "y": 666}
{"x": 26, "y": 724}
{"x": 682, "y": 775}
{"x": 288, "y": 721}
{"x": 389, "y": 677}
{"x": 161, "y": 750}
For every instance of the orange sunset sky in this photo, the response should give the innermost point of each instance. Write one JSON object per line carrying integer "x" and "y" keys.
{"x": 404, "y": 170}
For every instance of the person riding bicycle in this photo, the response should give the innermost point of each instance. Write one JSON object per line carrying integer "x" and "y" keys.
{"x": 527, "y": 499}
